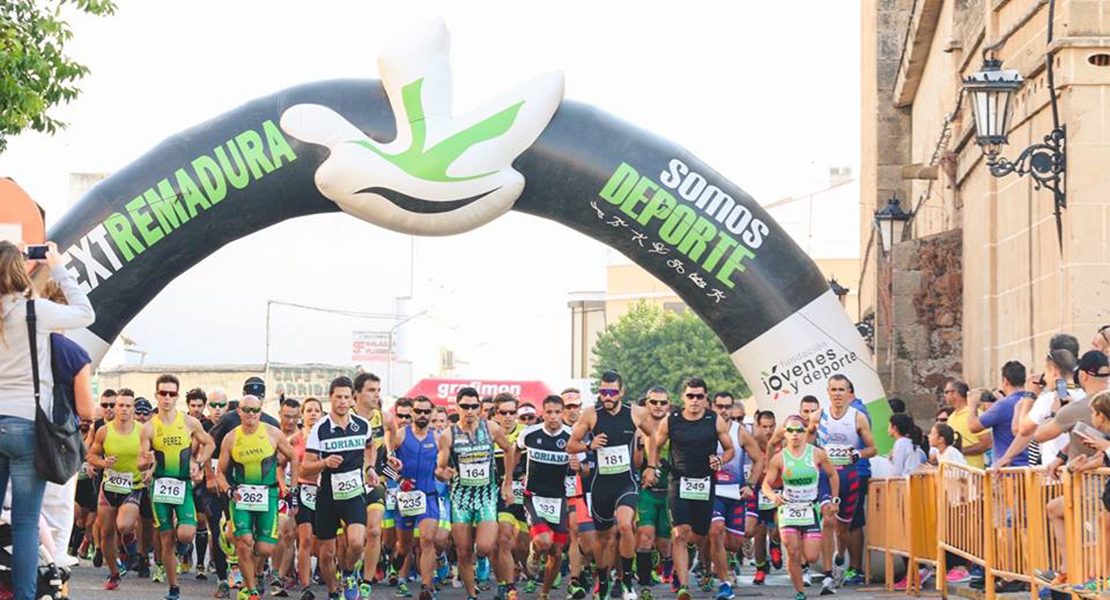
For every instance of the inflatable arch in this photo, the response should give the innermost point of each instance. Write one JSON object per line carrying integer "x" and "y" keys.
{"x": 393, "y": 153}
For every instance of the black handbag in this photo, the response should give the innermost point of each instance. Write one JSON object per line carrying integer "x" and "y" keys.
{"x": 59, "y": 450}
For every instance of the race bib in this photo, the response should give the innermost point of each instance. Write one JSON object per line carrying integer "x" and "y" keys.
{"x": 518, "y": 492}
{"x": 765, "y": 503}
{"x": 168, "y": 490}
{"x": 800, "y": 495}
{"x": 690, "y": 488}
{"x": 289, "y": 476}
{"x": 308, "y": 496}
{"x": 839, "y": 454}
{"x": 548, "y": 509}
{"x": 391, "y": 499}
{"x": 571, "y": 485}
{"x": 612, "y": 461}
{"x": 796, "y": 514}
{"x": 215, "y": 465}
{"x": 412, "y": 504}
{"x": 120, "y": 483}
{"x": 255, "y": 498}
{"x": 474, "y": 474}
{"x": 748, "y": 471}
{"x": 346, "y": 485}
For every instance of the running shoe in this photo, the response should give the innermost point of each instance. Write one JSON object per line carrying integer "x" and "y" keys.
{"x": 185, "y": 564}
{"x": 838, "y": 571}
{"x": 760, "y": 577}
{"x": 306, "y": 594}
{"x": 112, "y": 583}
{"x": 426, "y": 593}
{"x": 402, "y": 590}
{"x": 629, "y": 592}
{"x": 98, "y": 559}
{"x": 807, "y": 578}
{"x": 776, "y": 556}
{"x": 530, "y": 586}
{"x": 235, "y": 578}
{"x": 645, "y": 594}
{"x": 901, "y": 585}
{"x": 364, "y": 590}
{"x": 828, "y": 586}
{"x": 350, "y": 588}
{"x": 575, "y": 591}
{"x": 158, "y": 574}
{"x": 142, "y": 571}
{"x": 174, "y": 593}
{"x": 392, "y": 576}
{"x": 707, "y": 582}
{"x": 244, "y": 594}
{"x": 1091, "y": 587}
{"x": 481, "y": 573}
{"x": 684, "y": 594}
{"x": 724, "y": 592}
{"x": 443, "y": 571}
{"x": 222, "y": 590}
{"x": 958, "y": 575}
{"x": 800, "y": 596}
{"x": 544, "y": 596}
{"x": 277, "y": 590}
{"x": 615, "y": 590}
{"x": 201, "y": 576}
{"x": 853, "y": 577}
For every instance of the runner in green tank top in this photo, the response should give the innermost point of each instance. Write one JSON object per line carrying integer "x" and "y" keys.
{"x": 653, "y": 524}
{"x": 798, "y": 465}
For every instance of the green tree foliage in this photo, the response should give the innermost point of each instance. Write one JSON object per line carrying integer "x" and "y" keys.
{"x": 35, "y": 73}
{"x": 650, "y": 346}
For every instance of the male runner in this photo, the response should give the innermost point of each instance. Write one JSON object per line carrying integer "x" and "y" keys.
{"x": 368, "y": 405}
{"x": 695, "y": 433}
{"x": 139, "y": 553}
{"x": 614, "y": 493}
{"x": 735, "y": 486}
{"x": 117, "y": 450}
{"x": 653, "y": 531}
{"x": 417, "y": 499}
{"x": 252, "y": 453}
{"x": 311, "y": 412}
{"x": 336, "y": 450}
{"x": 511, "y": 520}
{"x": 173, "y": 435}
{"x": 544, "y": 497}
{"x": 582, "y": 532}
{"x": 196, "y": 401}
{"x": 285, "y": 552}
{"x": 466, "y": 460}
{"x": 760, "y": 519}
{"x": 841, "y": 430}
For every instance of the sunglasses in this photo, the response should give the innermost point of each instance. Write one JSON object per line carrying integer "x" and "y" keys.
{"x": 217, "y": 404}
{"x": 142, "y": 413}
{"x": 406, "y": 417}
{"x": 695, "y": 396}
{"x": 528, "y": 417}
{"x": 248, "y": 410}
{"x": 422, "y": 411}
{"x": 167, "y": 393}
{"x": 505, "y": 413}
{"x": 469, "y": 406}
{"x": 607, "y": 393}
{"x": 723, "y": 407}
{"x": 795, "y": 430}
{"x": 107, "y": 405}
{"x": 659, "y": 402}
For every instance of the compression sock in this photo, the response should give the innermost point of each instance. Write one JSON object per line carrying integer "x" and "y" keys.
{"x": 668, "y": 567}
{"x": 626, "y": 567}
{"x": 75, "y": 540}
{"x": 602, "y": 582}
{"x": 643, "y": 566}
{"x": 201, "y": 543}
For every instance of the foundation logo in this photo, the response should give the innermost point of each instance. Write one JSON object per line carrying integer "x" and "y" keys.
{"x": 441, "y": 175}
{"x": 806, "y": 369}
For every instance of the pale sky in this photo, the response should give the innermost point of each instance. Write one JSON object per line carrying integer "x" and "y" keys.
{"x": 765, "y": 92}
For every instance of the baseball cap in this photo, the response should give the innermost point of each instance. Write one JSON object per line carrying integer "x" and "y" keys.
{"x": 1095, "y": 363}
{"x": 143, "y": 406}
{"x": 254, "y": 386}
{"x": 526, "y": 409}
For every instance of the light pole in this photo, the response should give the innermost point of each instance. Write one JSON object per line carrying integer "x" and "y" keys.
{"x": 389, "y": 360}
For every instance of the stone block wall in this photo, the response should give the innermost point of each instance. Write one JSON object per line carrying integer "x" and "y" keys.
{"x": 926, "y": 290}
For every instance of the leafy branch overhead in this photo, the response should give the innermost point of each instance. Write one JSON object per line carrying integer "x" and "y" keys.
{"x": 35, "y": 73}
{"x": 650, "y": 346}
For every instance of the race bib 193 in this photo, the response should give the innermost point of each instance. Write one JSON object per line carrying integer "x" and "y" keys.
{"x": 548, "y": 509}
{"x": 346, "y": 485}
{"x": 168, "y": 490}
{"x": 612, "y": 461}
{"x": 690, "y": 488}
{"x": 254, "y": 498}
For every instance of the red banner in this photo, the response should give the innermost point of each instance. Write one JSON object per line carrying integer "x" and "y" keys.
{"x": 443, "y": 391}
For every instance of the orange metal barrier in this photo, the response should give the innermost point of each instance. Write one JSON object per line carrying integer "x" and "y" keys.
{"x": 1088, "y": 532}
{"x": 904, "y": 524}
{"x": 962, "y": 505}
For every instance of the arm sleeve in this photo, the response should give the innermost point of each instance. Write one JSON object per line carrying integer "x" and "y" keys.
{"x": 53, "y": 316}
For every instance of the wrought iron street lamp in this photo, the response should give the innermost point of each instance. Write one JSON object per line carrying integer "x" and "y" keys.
{"x": 891, "y": 221}
{"x": 991, "y": 92}
{"x": 838, "y": 289}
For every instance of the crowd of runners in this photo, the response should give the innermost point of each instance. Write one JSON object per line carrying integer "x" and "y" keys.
{"x": 616, "y": 500}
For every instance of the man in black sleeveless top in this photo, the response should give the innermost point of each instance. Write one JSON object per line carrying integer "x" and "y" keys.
{"x": 614, "y": 490}
{"x": 694, "y": 433}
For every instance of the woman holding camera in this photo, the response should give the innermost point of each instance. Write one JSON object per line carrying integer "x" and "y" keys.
{"x": 17, "y": 396}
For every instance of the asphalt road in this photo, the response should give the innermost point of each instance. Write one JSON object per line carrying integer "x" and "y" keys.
{"x": 88, "y": 583}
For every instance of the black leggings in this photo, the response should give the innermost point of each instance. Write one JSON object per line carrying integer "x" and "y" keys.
{"x": 214, "y": 507}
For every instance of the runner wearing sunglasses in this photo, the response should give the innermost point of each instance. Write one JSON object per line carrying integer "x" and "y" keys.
{"x": 614, "y": 491}
{"x": 695, "y": 434}
{"x": 512, "y": 523}
{"x": 172, "y": 435}
{"x": 799, "y": 465}
{"x": 466, "y": 460}
{"x": 653, "y": 525}
{"x": 582, "y": 533}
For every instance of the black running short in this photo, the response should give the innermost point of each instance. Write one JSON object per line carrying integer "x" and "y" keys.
{"x": 607, "y": 495}
{"x": 331, "y": 513}
{"x": 698, "y": 514}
